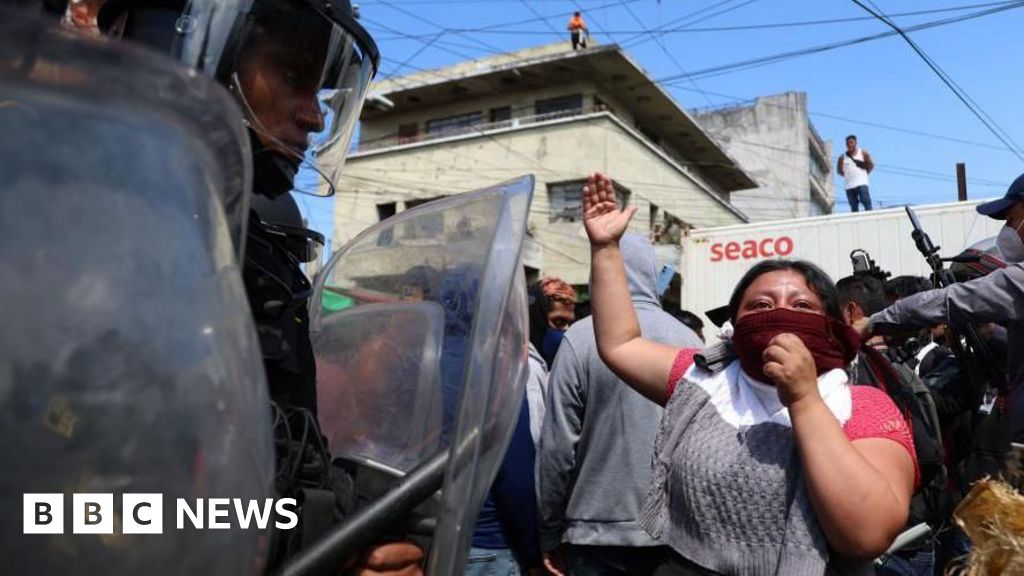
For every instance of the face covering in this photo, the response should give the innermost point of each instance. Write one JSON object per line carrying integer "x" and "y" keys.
{"x": 1010, "y": 245}
{"x": 831, "y": 343}
{"x": 552, "y": 340}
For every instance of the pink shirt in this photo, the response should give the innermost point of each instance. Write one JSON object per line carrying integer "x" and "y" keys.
{"x": 874, "y": 414}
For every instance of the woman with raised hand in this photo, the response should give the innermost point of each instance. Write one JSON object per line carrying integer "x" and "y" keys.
{"x": 775, "y": 464}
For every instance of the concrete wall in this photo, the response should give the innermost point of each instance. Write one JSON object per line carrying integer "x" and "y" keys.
{"x": 772, "y": 140}
{"x": 554, "y": 151}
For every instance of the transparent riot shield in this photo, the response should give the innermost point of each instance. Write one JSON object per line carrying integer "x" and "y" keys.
{"x": 128, "y": 361}
{"x": 419, "y": 326}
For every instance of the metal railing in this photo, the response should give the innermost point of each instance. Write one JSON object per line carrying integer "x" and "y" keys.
{"x": 393, "y": 140}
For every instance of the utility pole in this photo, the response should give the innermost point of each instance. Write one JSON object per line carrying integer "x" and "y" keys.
{"x": 961, "y": 182}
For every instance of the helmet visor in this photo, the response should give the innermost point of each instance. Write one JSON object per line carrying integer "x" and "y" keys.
{"x": 299, "y": 69}
{"x": 301, "y": 75}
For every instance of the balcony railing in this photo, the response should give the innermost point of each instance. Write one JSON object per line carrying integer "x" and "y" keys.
{"x": 391, "y": 141}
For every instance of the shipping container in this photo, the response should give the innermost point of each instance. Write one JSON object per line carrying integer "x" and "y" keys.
{"x": 714, "y": 259}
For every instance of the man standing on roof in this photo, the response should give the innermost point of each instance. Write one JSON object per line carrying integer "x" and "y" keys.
{"x": 576, "y": 29}
{"x": 854, "y": 166}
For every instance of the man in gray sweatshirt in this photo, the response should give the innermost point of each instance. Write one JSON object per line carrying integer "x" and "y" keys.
{"x": 597, "y": 441}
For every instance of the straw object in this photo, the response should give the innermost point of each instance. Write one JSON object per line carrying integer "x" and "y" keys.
{"x": 992, "y": 516}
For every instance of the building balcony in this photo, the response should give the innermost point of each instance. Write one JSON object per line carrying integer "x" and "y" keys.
{"x": 818, "y": 144}
{"x": 395, "y": 141}
{"x": 820, "y": 192}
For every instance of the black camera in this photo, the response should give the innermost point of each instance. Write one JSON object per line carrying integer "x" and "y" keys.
{"x": 863, "y": 265}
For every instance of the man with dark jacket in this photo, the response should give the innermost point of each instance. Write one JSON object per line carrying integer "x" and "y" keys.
{"x": 505, "y": 537}
{"x": 859, "y": 297}
{"x": 594, "y": 458}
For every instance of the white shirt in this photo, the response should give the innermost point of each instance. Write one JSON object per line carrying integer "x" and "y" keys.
{"x": 854, "y": 175}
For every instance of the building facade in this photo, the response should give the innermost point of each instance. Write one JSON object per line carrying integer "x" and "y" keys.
{"x": 552, "y": 112}
{"x": 775, "y": 142}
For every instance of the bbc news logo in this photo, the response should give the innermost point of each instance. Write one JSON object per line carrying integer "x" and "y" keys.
{"x": 144, "y": 513}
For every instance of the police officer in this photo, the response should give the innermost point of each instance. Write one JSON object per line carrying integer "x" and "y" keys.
{"x": 997, "y": 297}
{"x": 299, "y": 70}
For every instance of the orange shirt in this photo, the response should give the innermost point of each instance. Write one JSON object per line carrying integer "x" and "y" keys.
{"x": 576, "y": 23}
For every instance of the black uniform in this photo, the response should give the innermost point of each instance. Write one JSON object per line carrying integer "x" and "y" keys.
{"x": 278, "y": 293}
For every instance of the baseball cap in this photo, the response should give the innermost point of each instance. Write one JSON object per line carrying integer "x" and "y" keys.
{"x": 997, "y": 208}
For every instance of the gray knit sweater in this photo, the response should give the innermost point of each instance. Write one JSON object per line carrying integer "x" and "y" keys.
{"x": 733, "y": 500}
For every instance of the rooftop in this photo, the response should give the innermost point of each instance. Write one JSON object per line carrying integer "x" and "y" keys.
{"x": 607, "y": 66}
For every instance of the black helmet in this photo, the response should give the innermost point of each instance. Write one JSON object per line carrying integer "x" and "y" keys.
{"x": 299, "y": 69}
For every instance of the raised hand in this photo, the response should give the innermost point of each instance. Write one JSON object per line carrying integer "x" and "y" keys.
{"x": 604, "y": 222}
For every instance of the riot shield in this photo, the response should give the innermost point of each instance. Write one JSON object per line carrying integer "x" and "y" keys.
{"x": 419, "y": 325}
{"x": 128, "y": 361}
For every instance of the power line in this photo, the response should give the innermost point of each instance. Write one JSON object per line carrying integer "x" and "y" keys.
{"x": 739, "y": 101}
{"x": 743, "y": 100}
{"x": 778, "y": 184}
{"x": 363, "y": 18}
{"x": 645, "y": 190}
{"x": 664, "y": 30}
{"x": 887, "y": 168}
{"x": 767, "y": 204}
{"x": 546, "y": 22}
{"x": 779, "y": 57}
{"x": 788, "y": 55}
{"x": 714, "y": 71}
{"x": 423, "y": 19}
{"x": 960, "y": 93}
{"x": 670, "y": 56}
{"x": 530, "y": 160}
{"x": 639, "y": 39}
{"x": 405, "y": 62}
{"x": 538, "y": 18}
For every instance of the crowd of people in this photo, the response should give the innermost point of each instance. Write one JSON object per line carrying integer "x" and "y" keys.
{"x": 808, "y": 450}
{"x": 823, "y": 431}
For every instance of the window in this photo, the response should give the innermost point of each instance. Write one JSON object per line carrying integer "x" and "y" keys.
{"x": 424, "y": 227}
{"x": 562, "y": 104}
{"x": 412, "y": 203}
{"x": 385, "y": 211}
{"x": 407, "y": 132}
{"x": 668, "y": 229}
{"x": 454, "y": 124}
{"x": 566, "y": 200}
{"x": 502, "y": 114}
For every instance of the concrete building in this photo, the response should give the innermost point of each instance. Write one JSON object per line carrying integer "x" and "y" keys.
{"x": 549, "y": 111}
{"x": 774, "y": 141}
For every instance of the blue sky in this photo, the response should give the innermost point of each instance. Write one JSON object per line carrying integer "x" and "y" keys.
{"x": 879, "y": 83}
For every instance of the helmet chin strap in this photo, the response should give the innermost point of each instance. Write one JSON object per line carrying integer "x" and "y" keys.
{"x": 282, "y": 159}
{"x": 273, "y": 174}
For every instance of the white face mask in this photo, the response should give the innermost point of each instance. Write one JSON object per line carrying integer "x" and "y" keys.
{"x": 1010, "y": 245}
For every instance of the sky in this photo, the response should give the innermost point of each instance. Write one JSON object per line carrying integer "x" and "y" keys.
{"x": 913, "y": 125}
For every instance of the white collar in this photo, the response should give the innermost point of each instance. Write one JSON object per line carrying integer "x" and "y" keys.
{"x": 743, "y": 401}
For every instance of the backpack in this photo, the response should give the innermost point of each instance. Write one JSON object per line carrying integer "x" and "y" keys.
{"x": 932, "y": 502}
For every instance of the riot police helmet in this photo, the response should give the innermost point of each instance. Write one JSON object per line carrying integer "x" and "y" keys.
{"x": 299, "y": 69}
